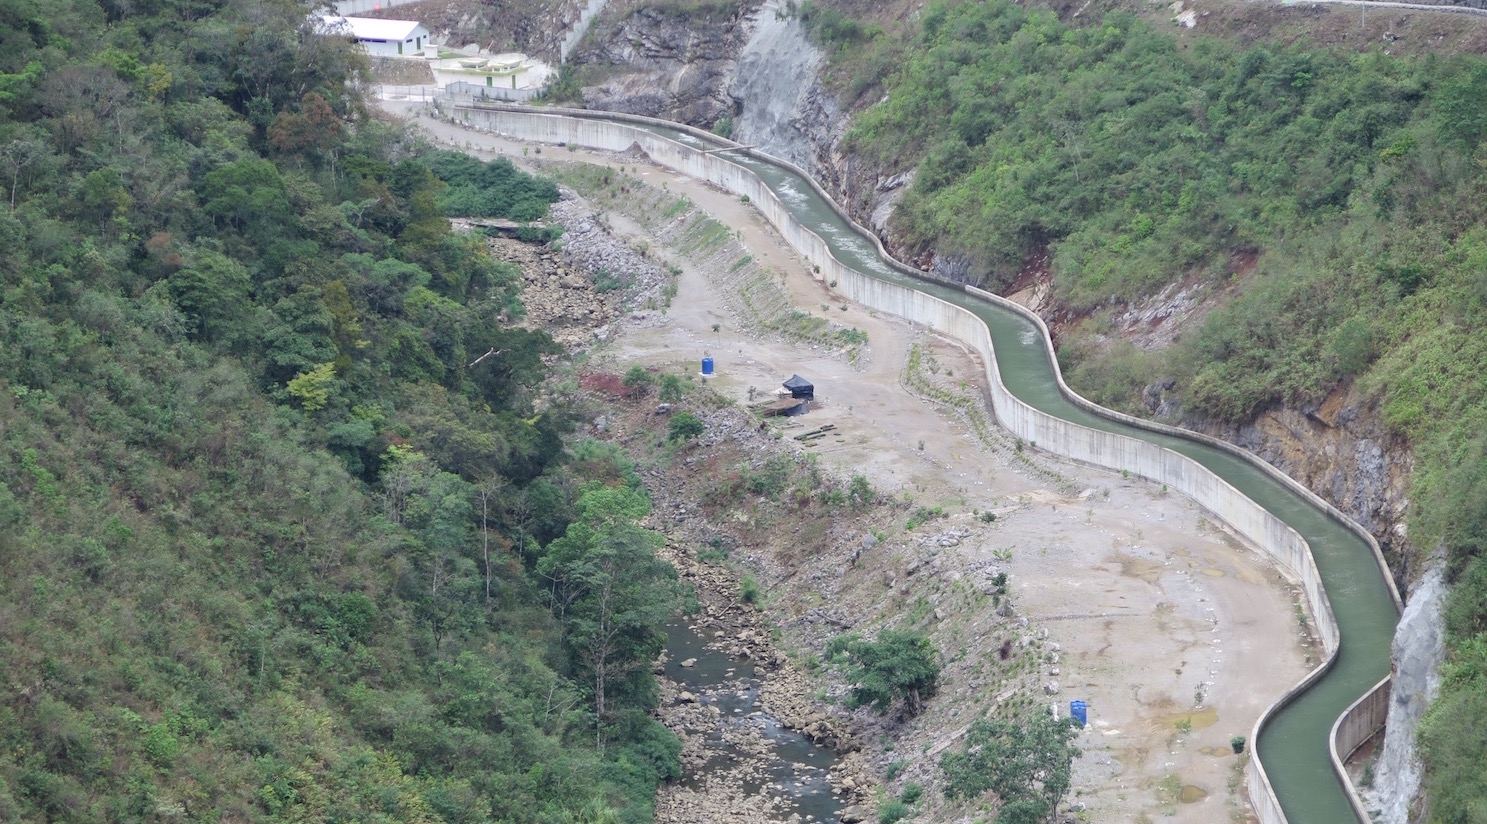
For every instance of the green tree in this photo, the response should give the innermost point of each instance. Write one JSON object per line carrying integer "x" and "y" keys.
{"x": 213, "y": 291}
{"x": 670, "y": 389}
{"x": 1460, "y": 102}
{"x": 248, "y": 194}
{"x": 1027, "y": 763}
{"x": 898, "y": 665}
{"x": 312, "y": 388}
{"x": 612, "y": 591}
{"x": 684, "y": 426}
{"x": 638, "y": 380}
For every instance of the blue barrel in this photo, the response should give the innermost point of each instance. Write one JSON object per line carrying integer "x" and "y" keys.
{"x": 1079, "y": 712}
{"x": 707, "y": 366}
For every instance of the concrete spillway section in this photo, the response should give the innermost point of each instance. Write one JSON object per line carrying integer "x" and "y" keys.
{"x": 1294, "y": 773}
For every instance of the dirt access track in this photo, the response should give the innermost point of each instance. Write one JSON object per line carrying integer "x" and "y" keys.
{"x": 1175, "y": 634}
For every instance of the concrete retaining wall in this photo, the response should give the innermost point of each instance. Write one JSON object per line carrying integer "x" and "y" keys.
{"x": 1353, "y": 728}
{"x": 1247, "y": 519}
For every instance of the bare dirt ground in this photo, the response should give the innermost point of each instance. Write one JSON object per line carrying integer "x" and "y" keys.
{"x": 1129, "y": 597}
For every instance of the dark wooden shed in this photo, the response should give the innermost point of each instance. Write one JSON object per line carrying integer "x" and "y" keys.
{"x": 800, "y": 388}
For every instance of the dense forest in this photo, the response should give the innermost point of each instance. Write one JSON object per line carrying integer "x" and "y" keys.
{"x": 1337, "y": 198}
{"x": 290, "y": 529}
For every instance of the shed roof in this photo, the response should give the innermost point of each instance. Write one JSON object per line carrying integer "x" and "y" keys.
{"x": 371, "y": 28}
{"x": 797, "y": 382}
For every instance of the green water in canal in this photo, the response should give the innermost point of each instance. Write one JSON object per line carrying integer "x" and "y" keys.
{"x": 1293, "y": 746}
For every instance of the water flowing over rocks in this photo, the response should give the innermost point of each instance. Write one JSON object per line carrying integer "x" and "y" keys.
{"x": 729, "y": 729}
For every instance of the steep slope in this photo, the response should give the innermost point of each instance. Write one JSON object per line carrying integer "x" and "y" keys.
{"x": 289, "y": 530}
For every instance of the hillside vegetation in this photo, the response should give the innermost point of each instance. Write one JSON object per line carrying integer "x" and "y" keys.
{"x": 288, "y": 529}
{"x": 1337, "y": 197}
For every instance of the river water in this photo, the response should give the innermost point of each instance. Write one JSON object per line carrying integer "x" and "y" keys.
{"x": 795, "y": 770}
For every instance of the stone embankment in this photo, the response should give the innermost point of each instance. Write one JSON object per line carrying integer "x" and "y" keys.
{"x": 579, "y": 287}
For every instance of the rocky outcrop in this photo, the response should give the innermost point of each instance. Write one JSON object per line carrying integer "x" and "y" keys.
{"x": 782, "y": 108}
{"x": 666, "y": 63}
{"x": 577, "y": 294}
{"x": 1418, "y": 651}
{"x": 1339, "y": 449}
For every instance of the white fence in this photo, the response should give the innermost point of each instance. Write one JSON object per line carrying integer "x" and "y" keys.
{"x": 457, "y": 94}
{"x": 1246, "y": 518}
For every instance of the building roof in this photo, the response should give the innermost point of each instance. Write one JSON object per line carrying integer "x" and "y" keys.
{"x": 371, "y": 28}
{"x": 797, "y": 382}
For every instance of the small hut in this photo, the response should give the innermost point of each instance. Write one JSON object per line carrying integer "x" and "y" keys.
{"x": 800, "y": 388}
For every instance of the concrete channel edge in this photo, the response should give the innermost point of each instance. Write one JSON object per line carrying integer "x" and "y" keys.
{"x": 1108, "y": 450}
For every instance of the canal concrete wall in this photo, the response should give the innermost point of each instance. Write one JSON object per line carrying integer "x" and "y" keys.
{"x": 1244, "y": 517}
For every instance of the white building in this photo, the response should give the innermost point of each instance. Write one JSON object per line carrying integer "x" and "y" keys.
{"x": 381, "y": 38}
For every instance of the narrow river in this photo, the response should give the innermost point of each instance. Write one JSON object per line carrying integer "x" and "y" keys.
{"x": 1293, "y": 746}
{"x": 797, "y": 771}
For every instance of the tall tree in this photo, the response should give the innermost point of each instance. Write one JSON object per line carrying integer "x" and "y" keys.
{"x": 1026, "y": 763}
{"x": 615, "y": 593}
{"x": 898, "y": 665}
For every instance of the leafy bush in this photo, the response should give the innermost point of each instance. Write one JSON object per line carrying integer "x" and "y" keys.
{"x": 748, "y": 591}
{"x": 494, "y": 188}
{"x": 671, "y": 388}
{"x": 897, "y": 666}
{"x": 684, "y": 426}
{"x": 1026, "y": 763}
{"x": 893, "y": 811}
{"x": 638, "y": 380}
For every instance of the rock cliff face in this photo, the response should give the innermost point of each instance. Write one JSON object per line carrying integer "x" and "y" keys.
{"x": 663, "y": 62}
{"x": 1419, "y": 649}
{"x": 1340, "y": 450}
{"x": 777, "y": 91}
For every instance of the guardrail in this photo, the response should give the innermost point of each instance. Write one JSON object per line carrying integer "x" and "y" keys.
{"x": 1114, "y": 451}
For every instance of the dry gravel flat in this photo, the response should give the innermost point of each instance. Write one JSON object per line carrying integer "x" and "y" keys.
{"x": 1176, "y": 635}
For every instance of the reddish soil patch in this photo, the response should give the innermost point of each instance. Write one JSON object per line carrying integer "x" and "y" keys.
{"x": 1037, "y": 268}
{"x": 603, "y": 383}
{"x": 1242, "y": 262}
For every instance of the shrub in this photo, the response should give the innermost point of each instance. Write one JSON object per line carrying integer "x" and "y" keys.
{"x": 638, "y": 380}
{"x": 684, "y": 426}
{"x": 899, "y": 665}
{"x": 893, "y": 811}
{"x": 748, "y": 591}
{"x": 670, "y": 388}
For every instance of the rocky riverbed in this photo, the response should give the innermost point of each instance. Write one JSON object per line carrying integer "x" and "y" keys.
{"x": 758, "y": 744}
{"x": 740, "y": 763}
{"x": 580, "y": 287}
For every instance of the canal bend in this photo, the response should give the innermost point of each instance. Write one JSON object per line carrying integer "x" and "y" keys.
{"x": 1293, "y": 745}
